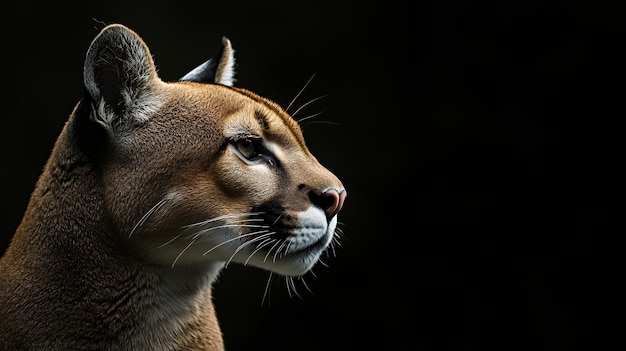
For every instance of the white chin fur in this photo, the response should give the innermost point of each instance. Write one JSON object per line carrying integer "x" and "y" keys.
{"x": 304, "y": 249}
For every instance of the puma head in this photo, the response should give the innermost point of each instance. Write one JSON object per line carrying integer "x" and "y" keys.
{"x": 198, "y": 171}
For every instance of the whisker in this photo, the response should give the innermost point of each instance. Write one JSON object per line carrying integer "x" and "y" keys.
{"x": 271, "y": 248}
{"x": 320, "y": 122}
{"x": 308, "y": 117}
{"x": 305, "y": 285}
{"x": 338, "y": 236}
{"x": 266, "y": 292}
{"x": 288, "y": 287}
{"x": 169, "y": 241}
{"x": 277, "y": 218}
{"x": 290, "y": 282}
{"x": 219, "y": 218}
{"x": 226, "y": 242}
{"x": 334, "y": 243}
{"x": 154, "y": 208}
{"x": 264, "y": 235}
{"x": 338, "y": 229}
{"x": 332, "y": 248}
{"x": 234, "y": 225}
{"x": 247, "y": 243}
{"x": 300, "y": 92}
{"x": 288, "y": 246}
{"x": 183, "y": 251}
{"x": 285, "y": 243}
{"x": 308, "y": 103}
{"x": 204, "y": 231}
{"x": 265, "y": 242}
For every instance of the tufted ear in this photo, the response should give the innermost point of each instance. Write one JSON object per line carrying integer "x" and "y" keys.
{"x": 120, "y": 78}
{"x": 219, "y": 69}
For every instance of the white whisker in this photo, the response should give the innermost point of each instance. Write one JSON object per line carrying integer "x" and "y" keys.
{"x": 247, "y": 243}
{"x": 291, "y": 286}
{"x": 322, "y": 262}
{"x": 288, "y": 287}
{"x": 306, "y": 286}
{"x": 308, "y": 117}
{"x": 285, "y": 243}
{"x": 169, "y": 241}
{"x": 183, "y": 251}
{"x": 277, "y": 218}
{"x": 270, "y": 250}
{"x": 226, "y": 242}
{"x": 206, "y": 230}
{"x": 320, "y": 122}
{"x": 266, "y": 292}
{"x": 267, "y": 241}
{"x": 219, "y": 218}
{"x": 308, "y": 103}
{"x": 300, "y": 92}
{"x": 333, "y": 243}
{"x": 154, "y": 208}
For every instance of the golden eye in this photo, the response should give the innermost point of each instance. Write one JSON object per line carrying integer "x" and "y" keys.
{"x": 252, "y": 151}
{"x": 246, "y": 147}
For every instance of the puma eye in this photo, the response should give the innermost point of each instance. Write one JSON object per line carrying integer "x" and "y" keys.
{"x": 247, "y": 148}
{"x": 252, "y": 150}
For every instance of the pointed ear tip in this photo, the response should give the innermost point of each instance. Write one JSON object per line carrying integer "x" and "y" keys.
{"x": 226, "y": 41}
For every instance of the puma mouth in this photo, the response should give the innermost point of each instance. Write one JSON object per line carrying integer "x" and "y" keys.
{"x": 317, "y": 246}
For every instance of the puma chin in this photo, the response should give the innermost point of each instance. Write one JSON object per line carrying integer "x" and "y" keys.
{"x": 151, "y": 189}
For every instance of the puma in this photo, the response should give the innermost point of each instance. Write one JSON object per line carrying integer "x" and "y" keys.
{"x": 150, "y": 189}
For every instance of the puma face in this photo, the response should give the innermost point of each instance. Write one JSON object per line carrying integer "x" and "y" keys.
{"x": 234, "y": 183}
{"x": 199, "y": 172}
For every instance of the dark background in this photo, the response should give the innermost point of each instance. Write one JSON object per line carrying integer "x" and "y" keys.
{"x": 477, "y": 141}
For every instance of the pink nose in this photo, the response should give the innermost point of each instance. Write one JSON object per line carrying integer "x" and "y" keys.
{"x": 333, "y": 200}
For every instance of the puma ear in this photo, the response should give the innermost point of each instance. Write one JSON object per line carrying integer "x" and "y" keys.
{"x": 219, "y": 69}
{"x": 120, "y": 77}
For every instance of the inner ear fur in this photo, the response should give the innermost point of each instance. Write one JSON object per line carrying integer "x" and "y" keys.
{"x": 119, "y": 76}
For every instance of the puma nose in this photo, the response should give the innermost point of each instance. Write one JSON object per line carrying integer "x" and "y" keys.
{"x": 333, "y": 201}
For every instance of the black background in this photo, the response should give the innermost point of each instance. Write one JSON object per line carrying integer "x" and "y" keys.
{"x": 477, "y": 141}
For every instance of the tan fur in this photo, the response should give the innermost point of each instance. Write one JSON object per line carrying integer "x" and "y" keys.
{"x": 120, "y": 242}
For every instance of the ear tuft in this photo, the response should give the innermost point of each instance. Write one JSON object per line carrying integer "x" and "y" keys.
{"x": 120, "y": 78}
{"x": 220, "y": 69}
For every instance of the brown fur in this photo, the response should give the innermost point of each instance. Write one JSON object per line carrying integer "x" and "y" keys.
{"x": 90, "y": 266}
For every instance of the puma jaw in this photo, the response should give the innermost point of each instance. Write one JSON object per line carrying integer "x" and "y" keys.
{"x": 150, "y": 189}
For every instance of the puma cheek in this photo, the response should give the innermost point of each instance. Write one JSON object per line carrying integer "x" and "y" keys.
{"x": 239, "y": 179}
